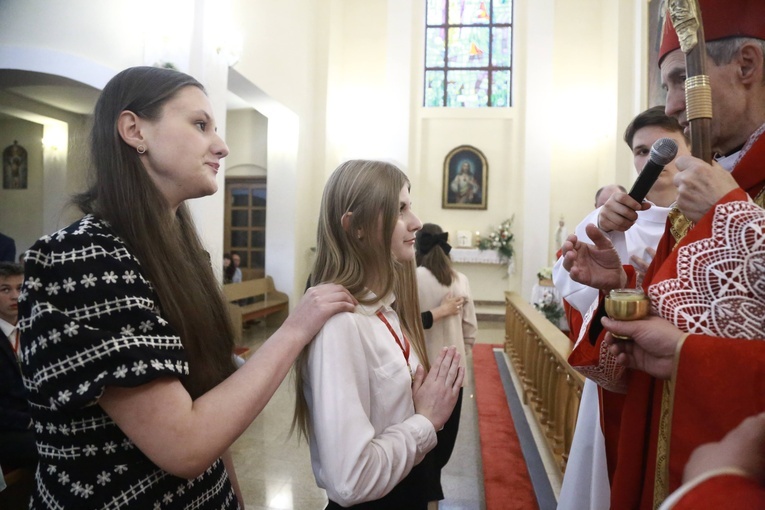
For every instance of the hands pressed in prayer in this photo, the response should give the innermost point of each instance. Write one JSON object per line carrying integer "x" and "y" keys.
{"x": 620, "y": 212}
{"x": 435, "y": 394}
{"x": 651, "y": 346}
{"x": 700, "y": 186}
{"x": 595, "y": 265}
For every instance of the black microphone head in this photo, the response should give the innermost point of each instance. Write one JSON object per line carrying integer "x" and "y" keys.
{"x": 663, "y": 151}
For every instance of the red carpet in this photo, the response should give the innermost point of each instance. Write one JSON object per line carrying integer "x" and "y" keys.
{"x": 506, "y": 480}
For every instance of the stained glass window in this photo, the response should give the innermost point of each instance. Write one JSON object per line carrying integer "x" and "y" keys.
{"x": 468, "y": 53}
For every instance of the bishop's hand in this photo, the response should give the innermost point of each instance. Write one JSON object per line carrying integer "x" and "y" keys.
{"x": 595, "y": 265}
{"x": 651, "y": 346}
{"x": 700, "y": 186}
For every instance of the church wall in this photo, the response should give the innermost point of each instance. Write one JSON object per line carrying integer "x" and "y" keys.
{"x": 576, "y": 85}
{"x": 495, "y": 136}
{"x": 109, "y": 33}
{"x": 56, "y": 38}
{"x": 247, "y": 139}
{"x": 599, "y": 69}
{"x": 583, "y": 111}
{"x": 284, "y": 50}
{"x": 42, "y": 208}
{"x": 17, "y": 219}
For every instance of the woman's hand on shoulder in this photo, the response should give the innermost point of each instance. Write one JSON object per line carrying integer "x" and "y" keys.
{"x": 435, "y": 394}
{"x": 317, "y": 305}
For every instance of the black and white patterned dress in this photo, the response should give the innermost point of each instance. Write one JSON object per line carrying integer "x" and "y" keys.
{"x": 90, "y": 319}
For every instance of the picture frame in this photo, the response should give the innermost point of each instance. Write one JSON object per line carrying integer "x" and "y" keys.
{"x": 464, "y": 239}
{"x": 15, "y": 167}
{"x": 466, "y": 179}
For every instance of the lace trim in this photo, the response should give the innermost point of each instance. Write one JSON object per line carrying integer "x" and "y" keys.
{"x": 720, "y": 285}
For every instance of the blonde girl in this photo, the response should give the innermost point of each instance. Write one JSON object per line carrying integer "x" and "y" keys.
{"x": 363, "y": 397}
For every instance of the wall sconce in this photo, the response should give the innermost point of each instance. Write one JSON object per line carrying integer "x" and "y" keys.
{"x": 55, "y": 137}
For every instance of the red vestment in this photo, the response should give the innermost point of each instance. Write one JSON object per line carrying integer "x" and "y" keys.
{"x": 720, "y": 373}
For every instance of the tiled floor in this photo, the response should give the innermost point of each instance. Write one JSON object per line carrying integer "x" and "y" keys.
{"x": 274, "y": 470}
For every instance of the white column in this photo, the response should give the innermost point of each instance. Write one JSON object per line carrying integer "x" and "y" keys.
{"x": 537, "y": 20}
{"x": 211, "y": 69}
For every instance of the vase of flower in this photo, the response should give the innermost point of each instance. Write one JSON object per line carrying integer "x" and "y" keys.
{"x": 549, "y": 306}
{"x": 501, "y": 240}
{"x": 544, "y": 276}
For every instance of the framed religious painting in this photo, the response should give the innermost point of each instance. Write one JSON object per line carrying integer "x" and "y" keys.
{"x": 466, "y": 179}
{"x": 15, "y": 167}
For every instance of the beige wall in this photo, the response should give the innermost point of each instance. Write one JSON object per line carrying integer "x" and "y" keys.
{"x": 56, "y": 38}
{"x": 247, "y": 139}
{"x": 342, "y": 78}
{"x": 597, "y": 91}
{"x": 16, "y": 218}
{"x": 54, "y": 172}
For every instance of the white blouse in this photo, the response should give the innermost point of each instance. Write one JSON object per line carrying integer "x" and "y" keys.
{"x": 365, "y": 436}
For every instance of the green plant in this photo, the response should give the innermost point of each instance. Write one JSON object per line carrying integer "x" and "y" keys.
{"x": 501, "y": 240}
{"x": 545, "y": 273}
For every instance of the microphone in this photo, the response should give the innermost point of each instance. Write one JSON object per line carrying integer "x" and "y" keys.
{"x": 662, "y": 153}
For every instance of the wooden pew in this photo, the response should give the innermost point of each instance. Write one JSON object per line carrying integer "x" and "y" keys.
{"x": 259, "y": 300}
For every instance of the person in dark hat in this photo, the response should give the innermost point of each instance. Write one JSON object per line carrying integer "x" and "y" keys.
{"x": 695, "y": 364}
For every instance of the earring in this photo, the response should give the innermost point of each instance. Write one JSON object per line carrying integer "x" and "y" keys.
{"x": 141, "y": 149}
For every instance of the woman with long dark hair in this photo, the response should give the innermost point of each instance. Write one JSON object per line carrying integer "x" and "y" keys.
{"x": 127, "y": 344}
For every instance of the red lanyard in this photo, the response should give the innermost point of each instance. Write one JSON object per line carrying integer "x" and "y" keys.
{"x": 405, "y": 347}
{"x": 15, "y": 343}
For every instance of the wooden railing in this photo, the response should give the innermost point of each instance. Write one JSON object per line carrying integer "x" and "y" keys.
{"x": 538, "y": 351}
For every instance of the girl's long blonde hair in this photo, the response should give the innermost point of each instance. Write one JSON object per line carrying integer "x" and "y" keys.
{"x": 348, "y": 256}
